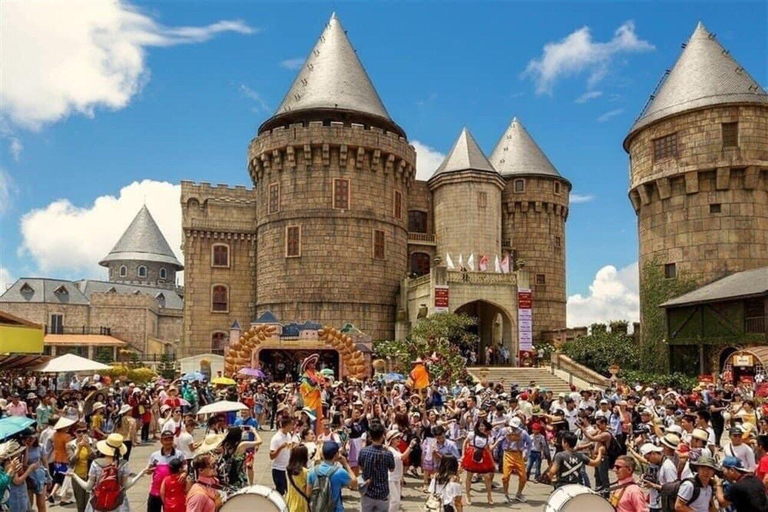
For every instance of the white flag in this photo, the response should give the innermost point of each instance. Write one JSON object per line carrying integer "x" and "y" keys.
{"x": 461, "y": 261}
{"x": 505, "y": 264}
{"x": 449, "y": 261}
{"x": 471, "y": 262}
{"x": 497, "y": 265}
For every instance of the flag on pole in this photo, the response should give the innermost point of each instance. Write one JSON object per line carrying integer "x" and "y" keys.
{"x": 461, "y": 261}
{"x": 483, "y": 263}
{"x": 497, "y": 265}
{"x": 449, "y": 261}
{"x": 505, "y": 264}
{"x": 471, "y": 262}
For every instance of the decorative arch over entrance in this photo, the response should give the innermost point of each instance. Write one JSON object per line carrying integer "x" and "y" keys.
{"x": 494, "y": 328}
{"x": 746, "y": 363}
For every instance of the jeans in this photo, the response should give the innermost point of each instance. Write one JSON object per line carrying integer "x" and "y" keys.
{"x": 584, "y": 478}
{"x": 370, "y": 505}
{"x": 281, "y": 481}
{"x": 602, "y": 481}
{"x": 534, "y": 462}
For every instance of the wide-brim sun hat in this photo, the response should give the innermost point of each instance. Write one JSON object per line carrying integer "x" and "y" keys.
{"x": 314, "y": 358}
{"x": 700, "y": 434}
{"x": 650, "y": 448}
{"x": 705, "y": 462}
{"x": 210, "y": 443}
{"x": 670, "y": 441}
{"x": 97, "y": 406}
{"x": 124, "y": 409}
{"x": 309, "y": 412}
{"x": 10, "y": 448}
{"x": 393, "y": 434}
{"x": 113, "y": 443}
{"x": 63, "y": 423}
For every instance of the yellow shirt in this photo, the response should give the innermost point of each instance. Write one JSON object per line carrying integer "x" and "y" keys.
{"x": 294, "y": 500}
{"x": 81, "y": 464}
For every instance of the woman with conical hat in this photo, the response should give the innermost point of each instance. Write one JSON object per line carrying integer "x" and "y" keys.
{"x": 112, "y": 450}
{"x": 311, "y": 386}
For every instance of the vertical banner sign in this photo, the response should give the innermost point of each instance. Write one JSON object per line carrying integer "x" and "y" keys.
{"x": 525, "y": 322}
{"x": 441, "y": 299}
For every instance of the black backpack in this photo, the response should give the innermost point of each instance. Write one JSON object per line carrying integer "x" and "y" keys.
{"x": 668, "y": 493}
{"x": 615, "y": 450}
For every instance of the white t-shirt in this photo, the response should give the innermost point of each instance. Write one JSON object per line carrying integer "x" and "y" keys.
{"x": 744, "y": 453}
{"x": 396, "y": 474}
{"x": 667, "y": 474}
{"x": 447, "y": 492}
{"x": 182, "y": 443}
{"x": 701, "y": 504}
{"x": 281, "y": 461}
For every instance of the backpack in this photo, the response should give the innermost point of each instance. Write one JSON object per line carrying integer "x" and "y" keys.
{"x": 320, "y": 497}
{"x": 668, "y": 493}
{"x": 614, "y": 450}
{"x": 108, "y": 493}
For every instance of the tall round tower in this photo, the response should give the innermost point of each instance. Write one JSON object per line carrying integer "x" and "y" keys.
{"x": 535, "y": 206}
{"x": 332, "y": 174}
{"x": 466, "y": 193}
{"x": 699, "y": 168}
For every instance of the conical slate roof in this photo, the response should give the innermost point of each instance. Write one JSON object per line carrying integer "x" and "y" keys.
{"x": 142, "y": 241}
{"x": 705, "y": 74}
{"x": 333, "y": 77}
{"x": 517, "y": 153}
{"x": 465, "y": 155}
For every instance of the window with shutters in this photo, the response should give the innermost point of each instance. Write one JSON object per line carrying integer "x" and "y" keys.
{"x": 341, "y": 194}
{"x": 274, "y": 198}
{"x": 730, "y": 135}
{"x": 519, "y": 186}
{"x": 219, "y": 298}
{"x": 57, "y": 324}
{"x": 417, "y": 221}
{"x": 665, "y": 147}
{"x": 378, "y": 244}
{"x": 292, "y": 241}
{"x": 220, "y": 255}
{"x": 482, "y": 199}
{"x": 670, "y": 270}
{"x": 398, "y": 204}
{"x": 219, "y": 340}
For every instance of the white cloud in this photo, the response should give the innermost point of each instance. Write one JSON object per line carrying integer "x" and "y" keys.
{"x": 578, "y": 53}
{"x": 428, "y": 159}
{"x": 71, "y": 240}
{"x": 292, "y": 64}
{"x": 74, "y": 56}
{"x": 5, "y": 279}
{"x": 589, "y": 95}
{"x": 7, "y": 188}
{"x": 16, "y": 147}
{"x": 260, "y": 104}
{"x": 613, "y": 295}
{"x": 610, "y": 115}
{"x": 581, "y": 198}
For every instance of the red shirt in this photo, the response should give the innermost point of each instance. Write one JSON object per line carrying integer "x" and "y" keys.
{"x": 762, "y": 467}
{"x": 175, "y": 495}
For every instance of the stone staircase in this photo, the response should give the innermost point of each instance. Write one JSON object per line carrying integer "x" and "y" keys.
{"x": 521, "y": 376}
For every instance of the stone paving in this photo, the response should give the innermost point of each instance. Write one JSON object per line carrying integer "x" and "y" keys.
{"x": 413, "y": 501}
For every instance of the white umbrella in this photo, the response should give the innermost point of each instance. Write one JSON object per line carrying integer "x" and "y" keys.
{"x": 223, "y": 406}
{"x": 71, "y": 363}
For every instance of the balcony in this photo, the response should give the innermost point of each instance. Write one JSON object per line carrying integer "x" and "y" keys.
{"x": 421, "y": 238}
{"x": 755, "y": 325}
{"x": 58, "y": 329}
{"x": 491, "y": 278}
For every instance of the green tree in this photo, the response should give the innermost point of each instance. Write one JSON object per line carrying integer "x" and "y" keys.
{"x": 167, "y": 368}
{"x": 441, "y": 334}
{"x": 603, "y": 348}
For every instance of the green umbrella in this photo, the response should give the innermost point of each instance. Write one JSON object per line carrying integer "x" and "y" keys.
{"x": 13, "y": 425}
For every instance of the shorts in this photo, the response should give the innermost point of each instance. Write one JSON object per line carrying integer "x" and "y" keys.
{"x": 59, "y": 472}
{"x": 38, "y": 479}
{"x": 513, "y": 465}
{"x": 249, "y": 456}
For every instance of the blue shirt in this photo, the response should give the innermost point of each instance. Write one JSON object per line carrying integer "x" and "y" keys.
{"x": 448, "y": 448}
{"x": 250, "y": 435}
{"x": 339, "y": 480}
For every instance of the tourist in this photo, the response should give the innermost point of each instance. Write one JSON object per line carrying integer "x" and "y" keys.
{"x": 567, "y": 464}
{"x": 173, "y": 490}
{"x": 111, "y": 450}
{"x": 159, "y": 464}
{"x": 202, "y": 496}
{"x": 661, "y": 471}
{"x": 185, "y": 442}
{"x": 739, "y": 449}
{"x": 60, "y": 439}
{"x": 376, "y": 462}
{"x": 746, "y": 492}
{"x": 250, "y": 432}
{"x": 232, "y": 455}
{"x": 514, "y": 442}
{"x": 446, "y": 486}
{"x": 477, "y": 458}
{"x": 280, "y": 453}
{"x": 38, "y": 479}
{"x": 18, "y": 498}
{"x": 80, "y": 453}
{"x": 627, "y": 496}
{"x": 17, "y": 407}
{"x": 125, "y": 425}
{"x": 392, "y": 439}
{"x": 296, "y": 497}
{"x": 339, "y": 477}
{"x": 696, "y": 496}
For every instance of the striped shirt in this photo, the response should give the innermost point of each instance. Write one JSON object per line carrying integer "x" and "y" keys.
{"x": 376, "y": 462}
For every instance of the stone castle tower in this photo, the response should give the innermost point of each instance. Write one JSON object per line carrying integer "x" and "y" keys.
{"x": 535, "y": 204}
{"x": 142, "y": 255}
{"x": 332, "y": 173}
{"x": 699, "y": 167}
{"x": 466, "y": 194}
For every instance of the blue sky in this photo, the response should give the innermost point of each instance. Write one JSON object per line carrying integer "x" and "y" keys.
{"x": 187, "y": 84}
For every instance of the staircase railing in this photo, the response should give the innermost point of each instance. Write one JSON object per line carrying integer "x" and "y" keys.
{"x": 577, "y": 374}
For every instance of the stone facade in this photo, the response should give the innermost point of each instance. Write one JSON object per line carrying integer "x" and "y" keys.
{"x": 75, "y": 316}
{"x": 705, "y": 211}
{"x": 153, "y": 275}
{"x": 534, "y": 229}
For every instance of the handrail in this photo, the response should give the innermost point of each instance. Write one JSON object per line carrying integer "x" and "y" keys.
{"x": 571, "y": 367}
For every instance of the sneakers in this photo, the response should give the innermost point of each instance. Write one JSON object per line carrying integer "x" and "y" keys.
{"x": 507, "y": 499}
{"x": 521, "y": 498}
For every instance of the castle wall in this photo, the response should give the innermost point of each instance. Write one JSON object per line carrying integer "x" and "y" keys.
{"x": 534, "y": 227}
{"x": 131, "y": 318}
{"x": 132, "y": 273}
{"x": 336, "y": 278}
{"x": 75, "y": 316}
{"x": 673, "y": 197}
{"x": 216, "y": 215}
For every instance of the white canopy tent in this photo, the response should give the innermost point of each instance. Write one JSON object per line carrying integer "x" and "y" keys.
{"x": 71, "y": 363}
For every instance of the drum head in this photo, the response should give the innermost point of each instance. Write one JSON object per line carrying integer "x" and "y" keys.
{"x": 576, "y": 498}
{"x": 255, "y": 498}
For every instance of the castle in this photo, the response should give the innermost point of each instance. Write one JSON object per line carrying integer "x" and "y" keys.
{"x": 337, "y": 230}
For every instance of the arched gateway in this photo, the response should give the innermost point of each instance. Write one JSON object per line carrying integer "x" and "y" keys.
{"x": 494, "y": 328}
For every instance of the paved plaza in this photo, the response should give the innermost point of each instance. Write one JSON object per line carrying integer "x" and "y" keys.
{"x": 413, "y": 501}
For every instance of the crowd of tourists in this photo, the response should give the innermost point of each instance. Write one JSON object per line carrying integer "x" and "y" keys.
{"x": 650, "y": 448}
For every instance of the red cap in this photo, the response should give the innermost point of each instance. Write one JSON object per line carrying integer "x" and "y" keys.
{"x": 524, "y": 396}
{"x": 536, "y": 426}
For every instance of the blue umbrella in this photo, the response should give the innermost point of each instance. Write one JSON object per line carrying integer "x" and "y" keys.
{"x": 189, "y": 377}
{"x": 394, "y": 377}
{"x": 13, "y": 425}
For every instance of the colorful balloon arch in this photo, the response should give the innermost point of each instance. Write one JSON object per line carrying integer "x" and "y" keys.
{"x": 240, "y": 353}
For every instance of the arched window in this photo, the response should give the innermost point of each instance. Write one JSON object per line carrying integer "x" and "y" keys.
{"x": 220, "y": 255}
{"x": 220, "y": 298}
{"x": 219, "y": 341}
{"x": 142, "y": 271}
{"x": 519, "y": 185}
{"x": 123, "y": 271}
{"x": 163, "y": 274}
{"x": 419, "y": 264}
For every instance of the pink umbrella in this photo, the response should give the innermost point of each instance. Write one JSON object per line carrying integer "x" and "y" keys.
{"x": 252, "y": 372}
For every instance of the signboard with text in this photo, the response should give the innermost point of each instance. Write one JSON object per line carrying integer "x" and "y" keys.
{"x": 441, "y": 299}
{"x": 524, "y": 320}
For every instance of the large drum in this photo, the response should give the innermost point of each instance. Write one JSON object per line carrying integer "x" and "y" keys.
{"x": 257, "y": 498}
{"x": 576, "y": 498}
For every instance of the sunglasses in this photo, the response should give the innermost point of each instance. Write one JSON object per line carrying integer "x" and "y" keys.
{"x": 618, "y": 467}
{"x": 81, "y": 431}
